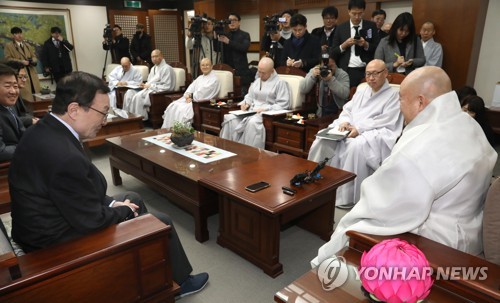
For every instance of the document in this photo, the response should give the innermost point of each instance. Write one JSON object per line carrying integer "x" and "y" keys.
{"x": 240, "y": 112}
{"x": 333, "y": 134}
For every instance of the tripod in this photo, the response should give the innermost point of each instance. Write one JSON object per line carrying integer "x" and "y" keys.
{"x": 105, "y": 60}
{"x": 273, "y": 50}
{"x": 195, "y": 58}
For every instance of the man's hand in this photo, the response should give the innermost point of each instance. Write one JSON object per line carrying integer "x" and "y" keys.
{"x": 297, "y": 63}
{"x": 244, "y": 106}
{"x": 344, "y": 126}
{"x": 129, "y": 204}
{"x": 223, "y": 39}
{"x": 354, "y": 132}
{"x": 34, "y": 120}
{"x": 324, "y": 48}
{"x": 289, "y": 61}
{"x": 275, "y": 36}
{"x": 260, "y": 109}
{"x": 189, "y": 98}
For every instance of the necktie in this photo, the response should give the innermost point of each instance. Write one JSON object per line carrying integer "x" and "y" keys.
{"x": 22, "y": 47}
{"x": 357, "y": 49}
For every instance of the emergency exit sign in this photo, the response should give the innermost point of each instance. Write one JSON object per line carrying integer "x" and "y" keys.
{"x": 133, "y": 4}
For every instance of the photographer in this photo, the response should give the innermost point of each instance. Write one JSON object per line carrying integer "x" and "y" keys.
{"x": 55, "y": 55}
{"x": 333, "y": 86}
{"x": 201, "y": 29}
{"x": 116, "y": 43}
{"x": 20, "y": 51}
{"x": 234, "y": 46}
{"x": 272, "y": 42}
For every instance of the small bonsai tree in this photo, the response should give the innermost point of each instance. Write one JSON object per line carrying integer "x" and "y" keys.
{"x": 181, "y": 129}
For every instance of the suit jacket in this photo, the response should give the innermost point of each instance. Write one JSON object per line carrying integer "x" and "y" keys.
{"x": 57, "y": 193}
{"x": 343, "y": 32}
{"x": 309, "y": 51}
{"x": 433, "y": 53}
{"x": 57, "y": 59}
{"x": 385, "y": 52}
{"x": 21, "y": 111}
{"x": 235, "y": 53}
{"x": 324, "y": 40}
{"x": 10, "y": 134}
{"x": 142, "y": 47}
{"x": 13, "y": 52}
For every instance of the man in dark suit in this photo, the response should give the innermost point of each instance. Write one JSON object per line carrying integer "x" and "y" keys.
{"x": 302, "y": 50}
{"x": 325, "y": 33}
{"x": 355, "y": 42}
{"x": 141, "y": 46}
{"x": 59, "y": 195}
{"x": 55, "y": 55}
{"x": 11, "y": 128}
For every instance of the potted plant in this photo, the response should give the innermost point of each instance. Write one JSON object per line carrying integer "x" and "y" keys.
{"x": 45, "y": 90}
{"x": 182, "y": 134}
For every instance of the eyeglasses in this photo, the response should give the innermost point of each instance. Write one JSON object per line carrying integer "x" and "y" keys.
{"x": 23, "y": 77}
{"x": 105, "y": 115}
{"x": 233, "y": 20}
{"x": 374, "y": 74}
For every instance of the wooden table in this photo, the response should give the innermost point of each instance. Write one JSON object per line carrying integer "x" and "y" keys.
{"x": 116, "y": 126}
{"x": 250, "y": 222}
{"x": 40, "y": 104}
{"x": 175, "y": 175}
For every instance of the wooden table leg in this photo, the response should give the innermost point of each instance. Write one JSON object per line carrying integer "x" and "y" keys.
{"x": 115, "y": 174}
{"x": 320, "y": 221}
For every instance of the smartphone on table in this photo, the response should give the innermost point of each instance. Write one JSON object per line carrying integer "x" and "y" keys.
{"x": 257, "y": 186}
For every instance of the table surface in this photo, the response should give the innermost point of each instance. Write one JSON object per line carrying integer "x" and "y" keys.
{"x": 278, "y": 172}
{"x": 180, "y": 164}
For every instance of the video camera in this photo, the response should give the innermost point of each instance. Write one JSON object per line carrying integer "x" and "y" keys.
{"x": 220, "y": 26}
{"x": 271, "y": 24}
{"x": 197, "y": 24}
{"x": 108, "y": 33}
{"x": 324, "y": 69}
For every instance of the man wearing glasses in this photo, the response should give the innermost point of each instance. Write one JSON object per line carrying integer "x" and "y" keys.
{"x": 355, "y": 42}
{"x": 374, "y": 122}
{"x": 11, "y": 128}
{"x": 234, "y": 45}
{"x": 57, "y": 192}
{"x": 20, "y": 108}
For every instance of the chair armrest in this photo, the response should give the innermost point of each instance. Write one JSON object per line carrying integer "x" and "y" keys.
{"x": 441, "y": 257}
{"x": 129, "y": 260}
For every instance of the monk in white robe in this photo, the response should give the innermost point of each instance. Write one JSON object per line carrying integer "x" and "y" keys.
{"x": 161, "y": 78}
{"x": 375, "y": 122}
{"x": 122, "y": 75}
{"x": 205, "y": 87}
{"x": 268, "y": 92}
{"x": 435, "y": 180}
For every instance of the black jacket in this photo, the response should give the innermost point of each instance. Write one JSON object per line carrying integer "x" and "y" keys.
{"x": 309, "y": 51}
{"x": 57, "y": 59}
{"x": 57, "y": 193}
{"x": 119, "y": 48}
{"x": 323, "y": 39}
{"x": 10, "y": 134}
{"x": 142, "y": 47}
{"x": 235, "y": 53}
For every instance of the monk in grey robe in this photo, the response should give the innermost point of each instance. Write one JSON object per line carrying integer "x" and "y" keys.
{"x": 122, "y": 75}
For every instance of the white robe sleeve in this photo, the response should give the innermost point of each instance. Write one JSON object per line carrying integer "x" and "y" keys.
{"x": 208, "y": 88}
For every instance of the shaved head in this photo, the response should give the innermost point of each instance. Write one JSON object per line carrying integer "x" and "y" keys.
{"x": 265, "y": 68}
{"x": 420, "y": 87}
{"x": 375, "y": 74}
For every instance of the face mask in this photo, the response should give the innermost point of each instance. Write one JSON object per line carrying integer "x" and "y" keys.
{"x": 138, "y": 32}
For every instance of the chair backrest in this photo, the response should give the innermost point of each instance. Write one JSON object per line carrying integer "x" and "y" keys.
{"x": 109, "y": 68}
{"x": 180, "y": 78}
{"x": 144, "y": 70}
{"x": 293, "y": 76}
{"x": 230, "y": 84}
{"x": 226, "y": 82}
{"x": 491, "y": 223}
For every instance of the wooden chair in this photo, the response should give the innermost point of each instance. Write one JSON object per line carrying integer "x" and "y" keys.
{"x": 439, "y": 255}
{"x": 129, "y": 261}
{"x": 109, "y": 68}
{"x": 160, "y": 100}
{"x": 394, "y": 79}
{"x": 230, "y": 88}
{"x": 4, "y": 188}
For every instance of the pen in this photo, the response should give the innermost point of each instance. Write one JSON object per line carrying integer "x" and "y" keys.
{"x": 396, "y": 54}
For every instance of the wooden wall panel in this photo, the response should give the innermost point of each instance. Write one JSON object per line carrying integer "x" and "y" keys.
{"x": 460, "y": 36}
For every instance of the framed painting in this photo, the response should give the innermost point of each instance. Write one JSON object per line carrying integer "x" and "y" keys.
{"x": 35, "y": 24}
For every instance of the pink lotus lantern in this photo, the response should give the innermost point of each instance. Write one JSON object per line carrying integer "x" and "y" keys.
{"x": 395, "y": 271}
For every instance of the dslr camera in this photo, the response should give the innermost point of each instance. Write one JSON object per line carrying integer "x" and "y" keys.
{"x": 324, "y": 70}
{"x": 220, "y": 26}
{"x": 30, "y": 60}
{"x": 197, "y": 24}
{"x": 107, "y": 33}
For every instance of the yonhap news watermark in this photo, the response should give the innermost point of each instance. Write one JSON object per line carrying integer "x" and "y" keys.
{"x": 334, "y": 272}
